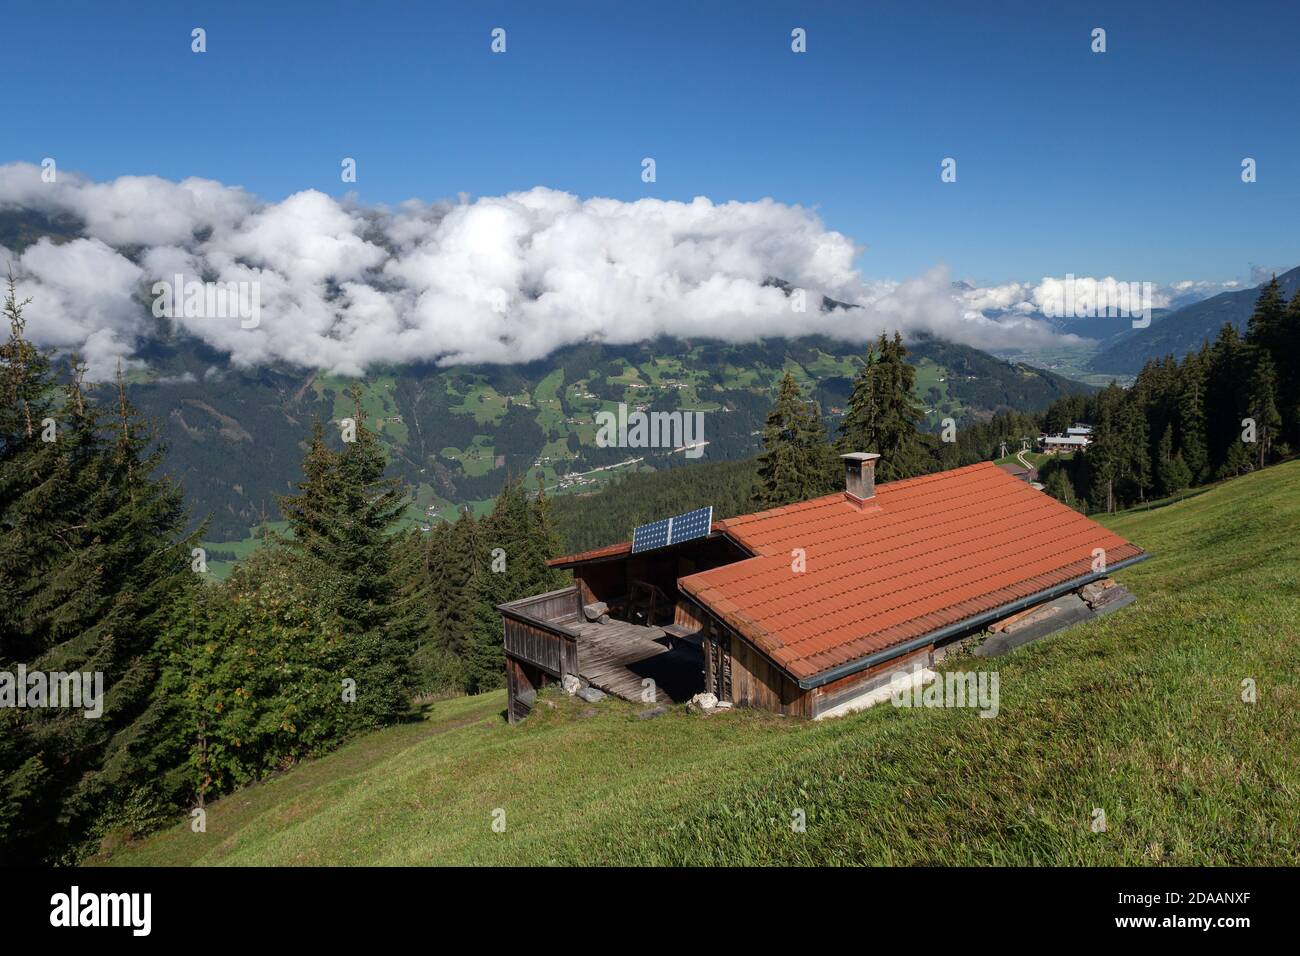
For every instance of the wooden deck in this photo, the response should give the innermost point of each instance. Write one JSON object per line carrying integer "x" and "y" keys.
{"x": 617, "y": 656}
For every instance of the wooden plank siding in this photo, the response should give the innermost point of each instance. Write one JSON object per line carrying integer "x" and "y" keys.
{"x": 737, "y": 671}
{"x": 757, "y": 682}
{"x": 540, "y": 644}
{"x": 542, "y": 633}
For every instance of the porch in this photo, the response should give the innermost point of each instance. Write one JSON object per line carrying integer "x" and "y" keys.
{"x": 550, "y": 636}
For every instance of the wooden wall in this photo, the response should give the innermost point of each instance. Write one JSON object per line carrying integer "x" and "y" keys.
{"x": 539, "y": 649}
{"x": 757, "y": 682}
{"x": 737, "y": 671}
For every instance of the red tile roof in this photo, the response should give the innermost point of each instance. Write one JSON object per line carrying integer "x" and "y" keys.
{"x": 924, "y": 553}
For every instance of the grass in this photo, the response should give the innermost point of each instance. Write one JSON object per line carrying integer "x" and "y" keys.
{"x": 1139, "y": 714}
{"x": 241, "y": 549}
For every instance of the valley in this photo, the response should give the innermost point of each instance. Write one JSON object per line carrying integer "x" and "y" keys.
{"x": 454, "y": 434}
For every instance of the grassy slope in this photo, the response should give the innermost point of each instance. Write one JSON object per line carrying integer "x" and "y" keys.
{"x": 1139, "y": 714}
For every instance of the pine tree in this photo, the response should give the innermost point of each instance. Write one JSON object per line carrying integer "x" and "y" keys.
{"x": 93, "y": 557}
{"x": 1191, "y": 416}
{"x": 1172, "y": 473}
{"x": 1261, "y": 406}
{"x": 794, "y": 463}
{"x": 882, "y": 414}
{"x": 1225, "y": 401}
{"x": 342, "y": 523}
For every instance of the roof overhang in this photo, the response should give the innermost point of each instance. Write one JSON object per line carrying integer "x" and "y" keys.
{"x": 958, "y": 627}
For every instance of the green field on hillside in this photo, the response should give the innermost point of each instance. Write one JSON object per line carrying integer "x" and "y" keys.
{"x": 1139, "y": 714}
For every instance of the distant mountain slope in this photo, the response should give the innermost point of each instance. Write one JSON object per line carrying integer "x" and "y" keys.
{"x": 455, "y": 433}
{"x": 1183, "y": 330}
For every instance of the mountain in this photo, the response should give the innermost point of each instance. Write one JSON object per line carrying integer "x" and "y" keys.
{"x": 236, "y": 436}
{"x": 1183, "y": 330}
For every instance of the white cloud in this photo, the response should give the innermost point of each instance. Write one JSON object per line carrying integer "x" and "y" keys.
{"x": 498, "y": 279}
{"x": 82, "y": 300}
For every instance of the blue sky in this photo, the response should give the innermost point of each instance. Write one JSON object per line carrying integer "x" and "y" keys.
{"x": 1124, "y": 163}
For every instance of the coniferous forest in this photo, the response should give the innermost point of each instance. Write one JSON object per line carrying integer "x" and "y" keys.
{"x": 338, "y": 624}
{"x": 330, "y": 629}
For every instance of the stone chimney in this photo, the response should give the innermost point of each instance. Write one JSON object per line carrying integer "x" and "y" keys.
{"x": 859, "y": 477}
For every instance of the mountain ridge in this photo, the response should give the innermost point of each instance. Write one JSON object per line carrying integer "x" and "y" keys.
{"x": 235, "y": 436}
{"x": 1184, "y": 330}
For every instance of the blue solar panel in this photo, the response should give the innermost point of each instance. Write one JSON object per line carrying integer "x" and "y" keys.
{"x": 693, "y": 524}
{"x": 675, "y": 530}
{"x": 653, "y": 535}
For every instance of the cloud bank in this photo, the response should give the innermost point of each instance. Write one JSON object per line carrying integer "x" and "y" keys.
{"x": 498, "y": 279}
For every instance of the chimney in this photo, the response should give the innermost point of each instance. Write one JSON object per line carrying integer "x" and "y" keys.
{"x": 859, "y": 477}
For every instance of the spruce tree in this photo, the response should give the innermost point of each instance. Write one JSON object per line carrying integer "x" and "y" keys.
{"x": 1172, "y": 473}
{"x": 1191, "y": 417}
{"x": 1225, "y": 401}
{"x": 342, "y": 523}
{"x": 1261, "y": 406}
{"x": 794, "y": 462}
{"x": 1288, "y": 373}
{"x": 1266, "y": 327}
{"x": 435, "y": 665}
{"x": 882, "y": 414}
{"x": 93, "y": 557}
{"x": 1105, "y": 455}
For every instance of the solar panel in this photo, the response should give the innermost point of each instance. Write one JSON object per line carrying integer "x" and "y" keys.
{"x": 693, "y": 524}
{"x": 674, "y": 530}
{"x": 653, "y": 535}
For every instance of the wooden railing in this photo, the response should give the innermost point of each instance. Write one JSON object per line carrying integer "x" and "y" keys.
{"x": 535, "y": 630}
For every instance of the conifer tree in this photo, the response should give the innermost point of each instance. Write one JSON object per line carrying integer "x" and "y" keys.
{"x": 1266, "y": 327}
{"x": 1288, "y": 373}
{"x": 1191, "y": 416}
{"x": 1105, "y": 454}
{"x": 794, "y": 463}
{"x": 1172, "y": 473}
{"x": 1225, "y": 397}
{"x": 1059, "y": 487}
{"x": 435, "y": 664}
{"x": 1261, "y": 406}
{"x": 93, "y": 557}
{"x": 342, "y": 523}
{"x": 882, "y": 414}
